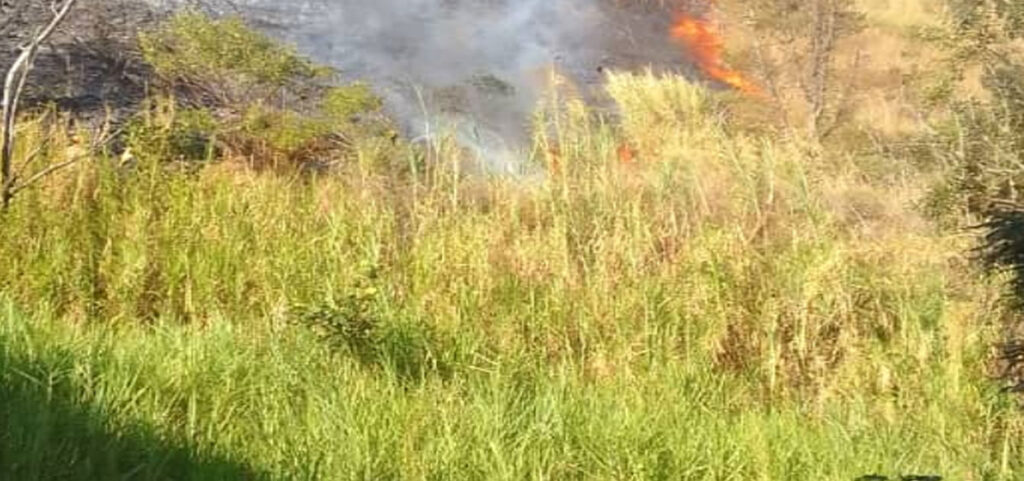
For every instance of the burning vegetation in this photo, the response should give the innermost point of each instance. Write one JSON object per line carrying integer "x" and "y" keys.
{"x": 704, "y": 45}
{"x": 274, "y": 271}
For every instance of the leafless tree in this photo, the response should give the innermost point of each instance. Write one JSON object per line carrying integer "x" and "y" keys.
{"x": 14, "y": 84}
{"x": 831, "y": 19}
{"x": 805, "y": 35}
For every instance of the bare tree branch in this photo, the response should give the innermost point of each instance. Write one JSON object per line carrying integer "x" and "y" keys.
{"x": 822, "y": 49}
{"x": 43, "y": 173}
{"x": 101, "y": 141}
{"x": 14, "y": 84}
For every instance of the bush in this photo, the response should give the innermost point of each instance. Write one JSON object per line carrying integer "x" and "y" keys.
{"x": 223, "y": 59}
{"x": 258, "y": 102}
{"x": 162, "y": 132}
{"x": 982, "y": 144}
{"x": 355, "y": 326}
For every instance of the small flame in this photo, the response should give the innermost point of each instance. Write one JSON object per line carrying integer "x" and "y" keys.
{"x": 626, "y": 154}
{"x": 705, "y": 46}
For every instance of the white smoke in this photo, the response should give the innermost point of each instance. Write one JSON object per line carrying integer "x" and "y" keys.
{"x": 476, "y": 65}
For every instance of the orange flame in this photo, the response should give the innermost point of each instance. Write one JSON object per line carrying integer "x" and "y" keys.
{"x": 705, "y": 46}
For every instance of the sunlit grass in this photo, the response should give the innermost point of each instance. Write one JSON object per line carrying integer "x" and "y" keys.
{"x": 719, "y": 306}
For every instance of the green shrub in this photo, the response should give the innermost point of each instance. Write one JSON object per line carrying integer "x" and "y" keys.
{"x": 985, "y": 145}
{"x": 273, "y": 107}
{"x": 163, "y": 132}
{"x": 342, "y": 104}
{"x": 982, "y": 146}
{"x": 354, "y": 324}
{"x": 223, "y": 58}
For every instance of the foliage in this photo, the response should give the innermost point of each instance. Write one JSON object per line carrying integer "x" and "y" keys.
{"x": 979, "y": 143}
{"x": 356, "y": 325}
{"x": 344, "y": 103}
{"x": 163, "y": 132}
{"x": 982, "y": 146}
{"x": 263, "y": 104}
{"x": 224, "y": 59}
{"x": 1002, "y": 248}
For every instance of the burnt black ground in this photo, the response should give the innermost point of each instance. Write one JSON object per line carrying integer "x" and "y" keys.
{"x": 89, "y": 64}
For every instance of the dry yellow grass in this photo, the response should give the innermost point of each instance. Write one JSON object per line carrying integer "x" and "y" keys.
{"x": 870, "y": 68}
{"x": 902, "y": 14}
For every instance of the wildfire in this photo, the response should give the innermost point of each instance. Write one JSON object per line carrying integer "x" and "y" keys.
{"x": 705, "y": 46}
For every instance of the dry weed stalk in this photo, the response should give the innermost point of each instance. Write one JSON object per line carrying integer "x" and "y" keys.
{"x": 14, "y": 84}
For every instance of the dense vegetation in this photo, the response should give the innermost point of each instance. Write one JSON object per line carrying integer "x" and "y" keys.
{"x": 262, "y": 280}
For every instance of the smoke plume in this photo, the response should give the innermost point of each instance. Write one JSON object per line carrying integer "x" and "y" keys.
{"x": 473, "y": 65}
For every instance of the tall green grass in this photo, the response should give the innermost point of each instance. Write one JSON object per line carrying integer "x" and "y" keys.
{"x": 237, "y": 402}
{"x": 720, "y": 307}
